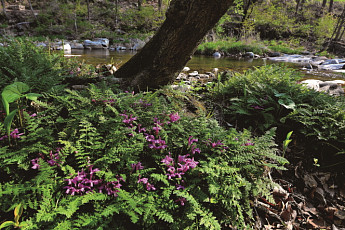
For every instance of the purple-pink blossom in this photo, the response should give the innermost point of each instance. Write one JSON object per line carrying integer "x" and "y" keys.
{"x": 182, "y": 201}
{"x": 168, "y": 160}
{"x": 35, "y": 163}
{"x": 14, "y": 135}
{"x": 150, "y": 187}
{"x": 157, "y": 144}
{"x": 248, "y": 143}
{"x": 174, "y": 117}
{"x": 191, "y": 140}
{"x": 85, "y": 182}
{"x": 137, "y": 166}
{"x": 257, "y": 107}
{"x": 179, "y": 187}
{"x": 143, "y": 180}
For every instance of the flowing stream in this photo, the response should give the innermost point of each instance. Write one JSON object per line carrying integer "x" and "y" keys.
{"x": 198, "y": 63}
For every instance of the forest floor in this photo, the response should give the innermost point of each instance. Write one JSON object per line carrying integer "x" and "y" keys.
{"x": 309, "y": 198}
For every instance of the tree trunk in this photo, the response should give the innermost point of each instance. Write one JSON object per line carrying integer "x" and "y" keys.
{"x": 160, "y": 5}
{"x": 330, "y": 6}
{"x": 32, "y": 10}
{"x": 88, "y": 9}
{"x": 297, "y": 5}
{"x": 164, "y": 56}
{"x": 324, "y": 2}
{"x": 246, "y": 7}
{"x": 139, "y": 4}
{"x": 4, "y": 8}
{"x": 116, "y": 12}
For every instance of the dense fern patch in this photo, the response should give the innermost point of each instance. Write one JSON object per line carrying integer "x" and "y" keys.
{"x": 96, "y": 159}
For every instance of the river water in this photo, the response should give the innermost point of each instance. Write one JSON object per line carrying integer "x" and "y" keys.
{"x": 199, "y": 63}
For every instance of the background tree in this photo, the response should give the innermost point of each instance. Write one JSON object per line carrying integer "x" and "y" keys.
{"x": 32, "y": 10}
{"x": 88, "y": 9}
{"x": 3, "y": 7}
{"x": 160, "y": 5}
{"x": 164, "y": 56}
{"x": 330, "y": 9}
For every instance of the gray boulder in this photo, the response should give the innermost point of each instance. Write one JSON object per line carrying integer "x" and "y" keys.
{"x": 217, "y": 55}
{"x": 331, "y": 87}
{"x": 330, "y": 62}
{"x": 41, "y": 44}
{"x": 249, "y": 55}
{"x": 274, "y": 54}
{"x": 186, "y": 69}
{"x": 76, "y": 45}
{"x": 118, "y": 48}
{"x": 137, "y": 44}
{"x": 98, "y": 43}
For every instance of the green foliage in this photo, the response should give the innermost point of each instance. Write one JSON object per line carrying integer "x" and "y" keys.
{"x": 13, "y": 93}
{"x": 259, "y": 98}
{"x": 324, "y": 27}
{"x": 273, "y": 16}
{"x": 22, "y": 61}
{"x": 144, "y": 21}
{"x": 75, "y": 130}
{"x": 229, "y": 47}
{"x": 286, "y": 142}
{"x": 269, "y": 96}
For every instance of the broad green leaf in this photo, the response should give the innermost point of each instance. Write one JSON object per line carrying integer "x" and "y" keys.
{"x": 32, "y": 96}
{"x": 18, "y": 211}
{"x": 286, "y": 142}
{"x": 280, "y": 94}
{"x": 14, "y": 91}
{"x": 287, "y": 103}
{"x": 7, "y": 224}
{"x": 8, "y": 121}
{"x": 6, "y": 106}
{"x": 289, "y": 135}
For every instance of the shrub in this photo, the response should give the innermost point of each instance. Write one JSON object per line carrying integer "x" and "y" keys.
{"x": 269, "y": 96}
{"x": 22, "y": 61}
{"x": 230, "y": 47}
{"x": 96, "y": 159}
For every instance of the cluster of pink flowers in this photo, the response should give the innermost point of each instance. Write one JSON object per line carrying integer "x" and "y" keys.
{"x": 54, "y": 159}
{"x": 144, "y": 180}
{"x": 248, "y": 143}
{"x": 184, "y": 163}
{"x": 86, "y": 182}
{"x": 155, "y": 141}
{"x": 14, "y": 135}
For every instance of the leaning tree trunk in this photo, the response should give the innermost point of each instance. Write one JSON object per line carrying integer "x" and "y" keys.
{"x": 164, "y": 56}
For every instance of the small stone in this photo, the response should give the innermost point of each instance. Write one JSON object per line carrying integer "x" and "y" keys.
{"x": 249, "y": 55}
{"x": 216, "y": 55}
{"x": 193, "y": 74}
{"x": 186, "y": 69}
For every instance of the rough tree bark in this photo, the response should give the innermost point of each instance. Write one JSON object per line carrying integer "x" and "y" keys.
{"x": 164, "y": 56}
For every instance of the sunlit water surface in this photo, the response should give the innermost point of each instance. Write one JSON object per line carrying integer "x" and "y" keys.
{"x": 199, "y": 63}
